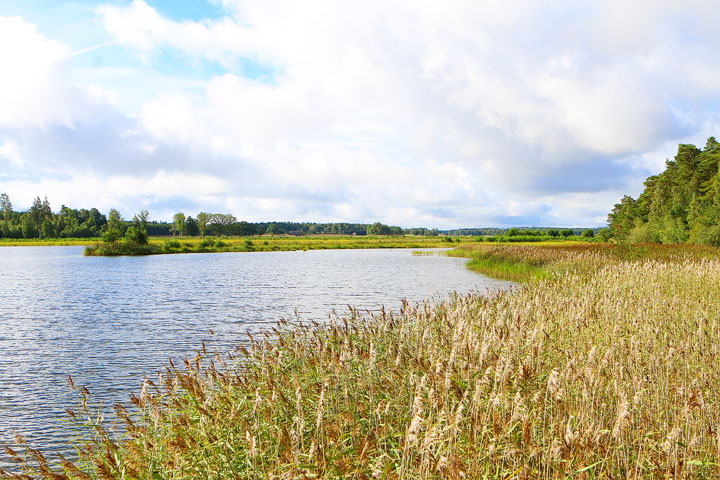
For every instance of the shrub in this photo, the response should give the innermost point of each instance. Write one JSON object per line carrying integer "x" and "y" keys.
{"x": 709, "y": 236}
{"x": 169, "y": 245}
{"x": 137, "y": 235}
{"x": 112, "y": 235}
{"x": 640, "y": 234}
{"x": 207, "y": 243}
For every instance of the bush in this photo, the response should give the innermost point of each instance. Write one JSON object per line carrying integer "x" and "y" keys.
{"x": 137, "y": 235}
{"x": 112, "y": 235}
{"x": 604, "y": 235}
{"x": 641, "y": 234}
{"x": 709, "y": 236}
{"x": 206, "y": 243}
{"x": 121, "y": 248}
{"x": 169, "y": 245}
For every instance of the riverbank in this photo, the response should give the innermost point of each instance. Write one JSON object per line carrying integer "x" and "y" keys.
{"x": 532, "y": 262}
{"x": 268, "y": 243}
{"x": 162, "y": 245}
{"x": 604, "y": 367}
{"x": 48, "y": 242}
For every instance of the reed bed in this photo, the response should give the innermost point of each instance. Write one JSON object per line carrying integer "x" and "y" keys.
{"x": 532, "y": 262}
{"x": 603, "y": 375}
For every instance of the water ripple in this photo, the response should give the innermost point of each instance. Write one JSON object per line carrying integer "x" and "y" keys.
{"x": 110, "y": 322}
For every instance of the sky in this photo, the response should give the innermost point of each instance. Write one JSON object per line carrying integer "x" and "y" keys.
{"x": 419, "y": 113}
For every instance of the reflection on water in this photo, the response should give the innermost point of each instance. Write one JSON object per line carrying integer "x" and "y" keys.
{"x": 112, "y": 321}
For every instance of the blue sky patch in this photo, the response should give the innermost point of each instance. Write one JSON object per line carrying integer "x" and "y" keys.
{"x": 179, "y": 10}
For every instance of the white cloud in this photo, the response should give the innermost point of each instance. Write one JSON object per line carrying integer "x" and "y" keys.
{"x": 101, "y": 94}
{"x": 140, "y": 26}
{"x": 461, "y": 113}
{"x": 126, "y": 193}
{"x": 10, "y": 150}
{"x": 32, "y": 91}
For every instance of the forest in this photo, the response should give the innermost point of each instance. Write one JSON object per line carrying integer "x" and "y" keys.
{"x": 39, "y": 221}
{"x": 679, "y": 205}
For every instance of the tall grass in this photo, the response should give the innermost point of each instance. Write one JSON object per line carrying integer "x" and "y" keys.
{"x": 607, "y": 371}
{"x": 532, "y": 262}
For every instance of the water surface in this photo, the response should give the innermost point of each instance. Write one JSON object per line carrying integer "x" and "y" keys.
{"x": 111, "y": 321}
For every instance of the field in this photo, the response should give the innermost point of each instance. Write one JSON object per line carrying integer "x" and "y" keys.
{"x": 602, "y": 364}
{"x": 160, "y": 245}
{"x": 51, "y": 242}
{"x": 265, "y": 243}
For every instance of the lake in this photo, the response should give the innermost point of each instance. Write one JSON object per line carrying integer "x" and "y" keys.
{"x": 112, "y": 321}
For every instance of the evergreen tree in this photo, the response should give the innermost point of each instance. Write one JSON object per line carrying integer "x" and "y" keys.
{"x": 682, "y": 204}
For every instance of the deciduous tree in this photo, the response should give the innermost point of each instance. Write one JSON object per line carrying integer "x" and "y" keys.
{"x": 222, "y": 222}
{"x": 202, "y": 221}
{"x": 179, "y": 223}
{"x": 115, "y": 221}
{"x": 6, "y": 206}
{"x": 141, "y": 219}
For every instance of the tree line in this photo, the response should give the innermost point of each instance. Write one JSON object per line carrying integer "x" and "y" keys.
{"x": 39, "y": 221}
{"x": 679, "y": 205}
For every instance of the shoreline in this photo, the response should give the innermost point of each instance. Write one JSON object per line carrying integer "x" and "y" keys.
{"x": 557, "y": 378}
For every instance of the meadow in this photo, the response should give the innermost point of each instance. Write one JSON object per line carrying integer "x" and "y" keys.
{"x": 601, "y": 364}
{"x": 164, "y": 245}
{"x": 268, "y": 243}
{"x": 47, "y": 242}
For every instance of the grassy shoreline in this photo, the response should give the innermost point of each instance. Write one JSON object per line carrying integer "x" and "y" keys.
{"x": 47, "y": 242}
{"x": 264, "y": 243}
{"x": 533, "y": 262}
{"x": 603, "y": 366}
{"x": 159, "y": 245}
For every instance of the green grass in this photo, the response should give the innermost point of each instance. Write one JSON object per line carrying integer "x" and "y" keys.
{"x": 164, "y": 245}
{"x": 507, "y": 269}
{"x": 47, "y": 242}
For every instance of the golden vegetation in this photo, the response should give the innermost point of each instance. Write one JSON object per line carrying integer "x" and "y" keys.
{"x": 545, "y": 260}
{"x": 607, "y": 370}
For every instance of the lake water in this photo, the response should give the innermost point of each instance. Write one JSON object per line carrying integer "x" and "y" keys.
{"x": 110, "y": 322}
